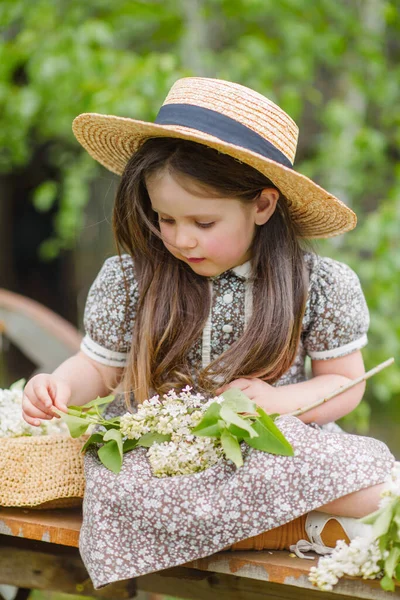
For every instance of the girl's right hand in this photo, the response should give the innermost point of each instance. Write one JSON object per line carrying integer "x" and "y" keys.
{"x": 41, "y": 394}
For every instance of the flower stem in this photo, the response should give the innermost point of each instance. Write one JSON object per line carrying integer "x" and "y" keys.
{"x": 343, "y": 388}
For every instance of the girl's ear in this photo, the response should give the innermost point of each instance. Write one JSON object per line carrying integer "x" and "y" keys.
{"x": 265, "y": 205}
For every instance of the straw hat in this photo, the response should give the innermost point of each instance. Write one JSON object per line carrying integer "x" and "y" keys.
{"x": 234, "y": 120}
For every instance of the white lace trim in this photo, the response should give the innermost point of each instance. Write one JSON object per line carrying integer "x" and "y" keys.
{"x": 103, "y": 355}
{"x": 248, "y": 301}
{"x": 206, "y": 341}
{"x": 342, "y": 351}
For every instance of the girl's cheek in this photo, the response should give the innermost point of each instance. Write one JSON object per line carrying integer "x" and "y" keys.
{"x": 212, "y": 247}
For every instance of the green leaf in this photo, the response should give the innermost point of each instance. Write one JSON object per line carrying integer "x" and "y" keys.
{"x": 231, "y": 448}
{"x": 268, "y": 422}
{"x": 238, "y": 401}
{"x": 99, "y": 401}
{"x": 384, "y": 541}
{"x": 114, "y": 434}
{"x": 18, "y": 385}
{"x": 230, "y": 417}
{"x": 148, "y": 439}
{"x": 209, "y": 418}
{"x": 274, "y": 416}
{"x": 371, "y": 518}
{"x": 396, "y": 516}
{"x": 382, "y": 523}
{"x": 95, "y": 438}
{"x": 110, "y": 456}
{"x": 268, "y": 440}
{"x": 397, "y": 573}
{"x": 210, "y": 431}
{"x": 392, "y": 561}
{"x": 387, "y": 584}
{"x": 76, "y": 425}
{"x": 129, "y": 445}
{"x": 238, "y": 432}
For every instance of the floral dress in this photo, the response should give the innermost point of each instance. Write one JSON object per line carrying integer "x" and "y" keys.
{"x": 135, "y": 523}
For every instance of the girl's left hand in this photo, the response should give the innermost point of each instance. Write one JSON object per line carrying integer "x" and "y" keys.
{"x": 262, "y": 393}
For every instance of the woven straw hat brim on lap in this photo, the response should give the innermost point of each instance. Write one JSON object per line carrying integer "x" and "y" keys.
{"x": 234, "y": 120}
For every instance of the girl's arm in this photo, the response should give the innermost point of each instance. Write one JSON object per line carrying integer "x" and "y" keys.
{"x": 328, "y": 375}
{"x": 87, "y": 378}
{"x": 76, "y": 381}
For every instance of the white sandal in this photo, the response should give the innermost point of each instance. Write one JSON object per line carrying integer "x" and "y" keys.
{"x": 314, "y": 526}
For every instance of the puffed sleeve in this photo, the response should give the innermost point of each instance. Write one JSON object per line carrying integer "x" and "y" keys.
{"x": 337, "y": 314}
{"x": 110, "y": 312}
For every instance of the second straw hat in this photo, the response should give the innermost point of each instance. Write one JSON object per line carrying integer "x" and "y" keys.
{"x": 234, "y": 120}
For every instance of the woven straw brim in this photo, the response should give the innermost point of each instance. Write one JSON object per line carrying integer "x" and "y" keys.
{"x": 41, "y": 472}
{"x": 113, "y": 140}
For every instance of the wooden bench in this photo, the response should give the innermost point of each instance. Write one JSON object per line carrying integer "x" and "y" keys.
{"x": 39, "y": 550}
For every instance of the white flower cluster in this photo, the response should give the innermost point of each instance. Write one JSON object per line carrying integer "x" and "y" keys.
{"x": 362, "y": 557}
{"x": 174, "y": 415}
{"x": 392, "y": 487}
{"x": 359, "y": 559}
{"x": 11, "y": 422}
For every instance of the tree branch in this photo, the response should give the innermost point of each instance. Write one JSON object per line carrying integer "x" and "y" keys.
{"x": 342, "y": 389}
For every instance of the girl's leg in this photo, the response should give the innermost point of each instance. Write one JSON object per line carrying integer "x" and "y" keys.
{"x": 357, "y": 504}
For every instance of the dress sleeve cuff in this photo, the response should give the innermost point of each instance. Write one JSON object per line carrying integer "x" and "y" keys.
{"x": 342, "y": 351}
{"x": 103, "y": 355}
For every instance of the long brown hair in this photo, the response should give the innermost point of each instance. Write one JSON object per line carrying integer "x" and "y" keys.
{"x": 174, "y": 301}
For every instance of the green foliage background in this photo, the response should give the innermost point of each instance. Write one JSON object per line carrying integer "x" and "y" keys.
{"x": 333, "y": 65}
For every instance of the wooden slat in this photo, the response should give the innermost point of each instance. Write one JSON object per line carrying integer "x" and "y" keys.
{"x": 55, "y": 526}
{"x": 183, "y": 582}
{"x": 46, "y": 566}
{"x": 249, "y": 573}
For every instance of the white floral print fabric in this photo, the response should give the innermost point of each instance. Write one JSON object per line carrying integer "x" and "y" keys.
{"x": 135, "y": 523}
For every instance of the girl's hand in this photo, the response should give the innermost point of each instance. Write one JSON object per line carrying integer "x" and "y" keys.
{"x": 41, "y": 394}
{"x": 264, "y": 395}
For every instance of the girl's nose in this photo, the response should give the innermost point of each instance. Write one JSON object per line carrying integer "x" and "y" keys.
{"x": 184, "y": 239}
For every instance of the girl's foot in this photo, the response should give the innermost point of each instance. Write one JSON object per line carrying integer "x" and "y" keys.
{"x": 315, "y": 531}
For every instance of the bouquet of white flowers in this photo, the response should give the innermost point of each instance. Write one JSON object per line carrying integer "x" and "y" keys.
{"x": 184, "y": 433}
{"x": 375, "y": 556}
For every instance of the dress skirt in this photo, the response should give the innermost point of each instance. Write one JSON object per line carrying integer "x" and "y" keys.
{"x": 135, "y": 523}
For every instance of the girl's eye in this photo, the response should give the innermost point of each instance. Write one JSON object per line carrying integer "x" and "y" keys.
{"x": 201, "y": 225}
{"x": 205, "y": 225}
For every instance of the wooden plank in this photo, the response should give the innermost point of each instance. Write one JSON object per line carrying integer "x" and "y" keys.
{"x": 281, "y": 569}
{"x": 62, "y": 527}
{"x": 56, "y": 526}
{"x": 46, "y": 566}
{"x": 190, "y": 583}
{"x": 61, "y": 569}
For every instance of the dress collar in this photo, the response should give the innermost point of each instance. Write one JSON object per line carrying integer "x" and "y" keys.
{"x": 243, "y": 271}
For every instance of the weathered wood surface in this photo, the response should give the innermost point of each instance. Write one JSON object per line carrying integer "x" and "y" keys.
{"x": 55, "y": 526}
{"x": 40, "y": 549}
{"x": 46, "y": 566}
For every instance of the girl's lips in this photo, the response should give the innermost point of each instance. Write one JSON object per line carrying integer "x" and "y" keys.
{"x": 195, "y": 260}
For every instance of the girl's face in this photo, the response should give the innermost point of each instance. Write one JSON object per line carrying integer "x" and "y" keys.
{"x": 210, "y": 234}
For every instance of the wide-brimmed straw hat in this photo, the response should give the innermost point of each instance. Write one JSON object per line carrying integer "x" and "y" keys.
{"x": 234, "y": 120}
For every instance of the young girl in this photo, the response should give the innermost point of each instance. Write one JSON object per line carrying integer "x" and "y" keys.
{"x": 214, "y": 287}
